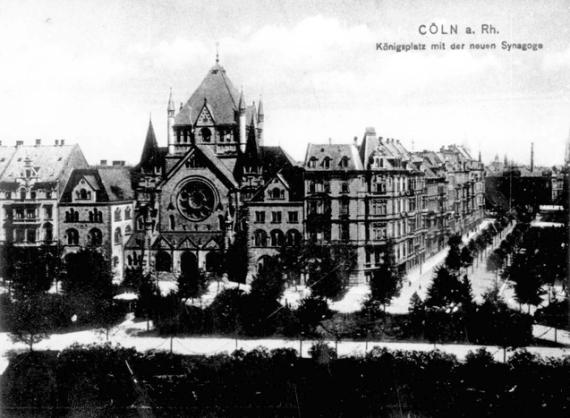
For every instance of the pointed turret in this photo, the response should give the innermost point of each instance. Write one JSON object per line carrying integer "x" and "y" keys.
{"x": 260, "y": 114}
{"x": 170, "y": 123}
{"x": 241, "y": 115}
{"x": 260, "y": 119}
{"x": 241, "y": 104}
{"x": 150, "y": 157}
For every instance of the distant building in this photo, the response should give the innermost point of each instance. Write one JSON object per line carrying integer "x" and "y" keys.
{"x": 216, "y": 179}
{"x": 32, "y": 178}
{"x": 96, "y": 210}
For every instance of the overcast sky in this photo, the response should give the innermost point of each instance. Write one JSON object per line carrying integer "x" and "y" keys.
{"x": 92, "y": 71}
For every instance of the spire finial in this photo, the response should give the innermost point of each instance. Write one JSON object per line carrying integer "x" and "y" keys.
{"x": 217, "y": 53}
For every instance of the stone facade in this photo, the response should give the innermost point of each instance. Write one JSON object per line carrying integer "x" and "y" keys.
{"x": 97, "y": 210}
{"x": 216, "y": 179}
{"x": 32, "y": 178}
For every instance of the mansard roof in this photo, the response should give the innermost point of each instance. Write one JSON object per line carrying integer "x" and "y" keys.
{"x": 218, "y": 92}
{"x": 335, "y": 153}
{"x": 111, "y": 184}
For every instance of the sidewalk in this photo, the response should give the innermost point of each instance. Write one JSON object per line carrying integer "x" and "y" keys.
{"x": 126, "y": 335}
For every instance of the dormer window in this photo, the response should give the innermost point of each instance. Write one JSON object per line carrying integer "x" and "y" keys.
{"x": 326, "y": 162}
{"x": 312, "y": 162}
{"x": 206, "y": 134}
{"x": 343, "y": 162}
{"x": 276, "y": 194}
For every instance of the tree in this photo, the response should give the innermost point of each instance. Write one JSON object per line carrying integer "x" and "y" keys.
{"x": 445, "y": 289}
{"x": 88, "y": 284}
{"x": 236, "y": 261}
{"x": 32, "y": 270}
{"x": 386, "y": 281}
{"x": 466, "y": 257}
{"x": 466, "y": 297}
{"x": 311, "y": 312}
{"x": 226, "y": 310}
{"x": 328, "y": 268}
{"x": 30, "y": 320}
{"x": 269, "y": 283}
{"x": 191, "y": 286}
{"x": 453, "y": 259}
{"x": 495, "y": 261}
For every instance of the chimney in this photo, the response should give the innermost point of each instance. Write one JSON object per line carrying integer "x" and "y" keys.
{"x": 531, "y": 157}
{"x": 19, "y": 143}
{"x": 103, "y": 162}
{"x": 56, "y": 142}
{"x": 355, "y": 140}
{"x": 330, "y": 140}
{"x": 38, "y": 142}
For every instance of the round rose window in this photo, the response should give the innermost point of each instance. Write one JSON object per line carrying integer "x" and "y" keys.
{"x": 196, "y": 200}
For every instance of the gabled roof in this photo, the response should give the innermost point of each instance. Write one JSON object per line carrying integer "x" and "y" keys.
{"x": 218, "y": 92}
{"x": 273, "y": 159}
{"x": 215, "y": 164}
{"x": 111, "y": 184}
{"x": 291, "y": 177}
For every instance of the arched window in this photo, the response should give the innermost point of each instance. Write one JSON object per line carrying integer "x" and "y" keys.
{"x": 91, "y": 217}
{"x": 72, "y": 236}
{"x": 343, "y": 162}
{"x": 48, "y": 231}
{"x": 276, "y": 193}
{"x": 118, "y": 236}
{"x": 263, "y": 262}
{"x": 118, "y": 214}
{"x": 75, "y": 216}
{"x": 95, "y": 237}
{"x": 206, "y": 134}
{"x": 277, "y": 238}
{"x": 128, "y": 213}
{"x": 23, "y": 194}
{"x": 326, "y": 162}
{"x": 128, "y": 230}
{"x": 260, "y": 238}
{"x": 140, "y": 223}
{"x": 312, "y": 162}
{"x": 129, "y": 260}
{"x": 171, "y": 222}
{"x": 293, "y": 237}
{"x": 163, "y": 261}
{"x": 83, "y": 195}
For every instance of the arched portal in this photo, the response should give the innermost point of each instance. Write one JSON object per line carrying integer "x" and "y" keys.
{"x": 213, "y": 261}
{"x": 189, "y": 264}
{"x": 163, "y": 261}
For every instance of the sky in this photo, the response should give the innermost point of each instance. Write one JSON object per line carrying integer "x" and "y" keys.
{"x": 93, "y": 72}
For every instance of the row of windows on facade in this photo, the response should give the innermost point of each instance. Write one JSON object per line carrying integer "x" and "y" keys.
{"x": 326, "y": 162}
{"x": 184, "y": 136}
{"x": 188, "y": 261}
{"x": 96, "y": 215}
{"x": 30, "y": 235}
{"x": 24, "y": 194}
{"x": 30, "y": 214}
{"x": 276, "y": 217}
{"x": 380, "y": 185}
{"x": 95, "y": 236}
{"x": 276, "y": 238}
{"x": 402, "y": 250}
